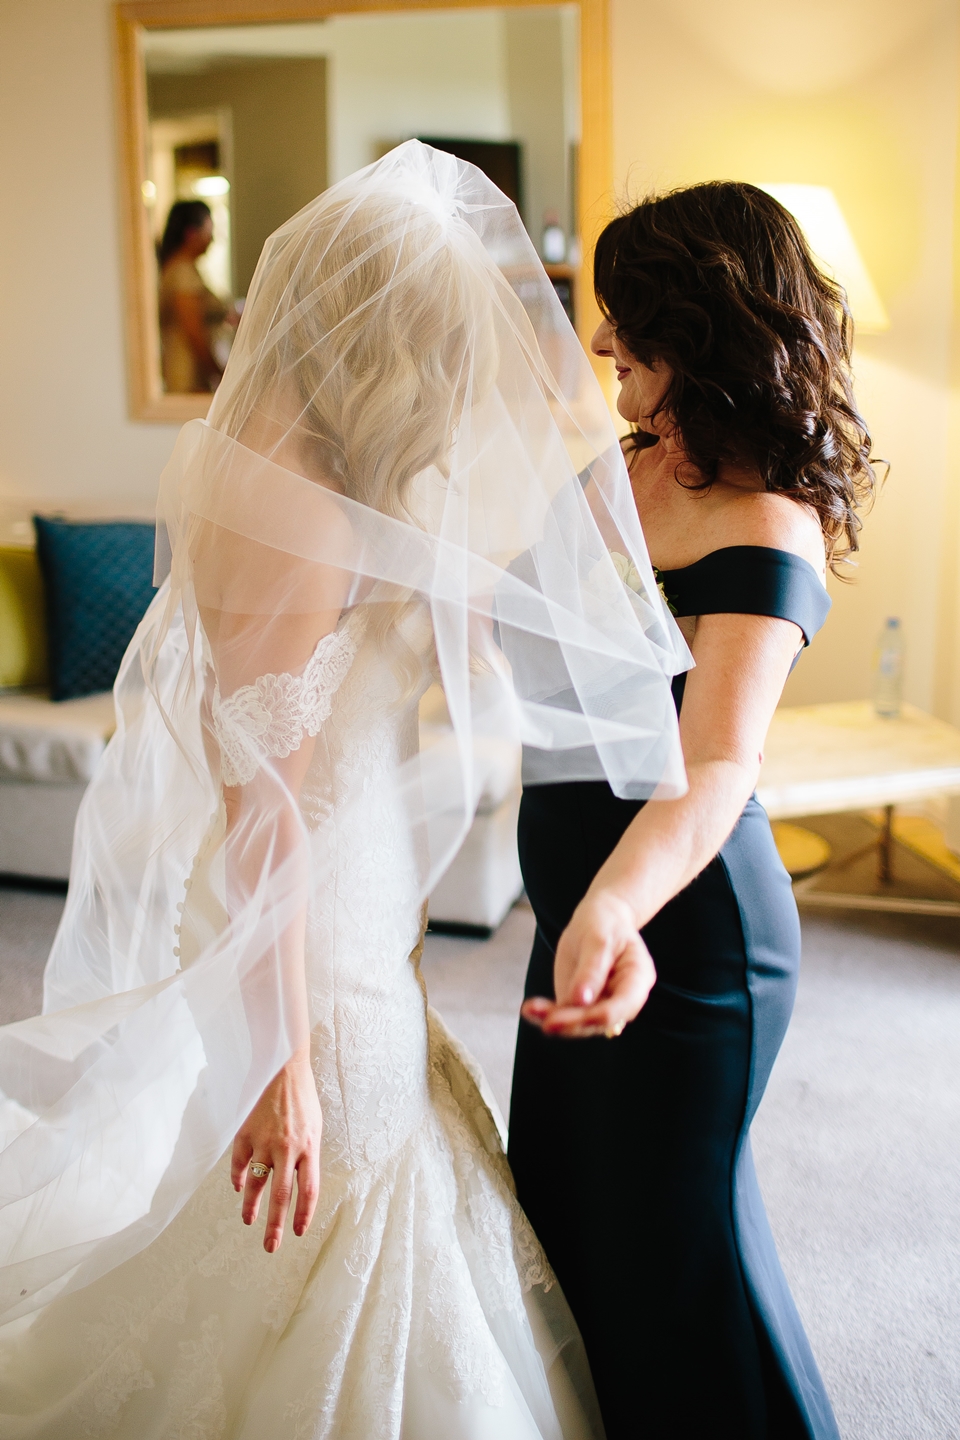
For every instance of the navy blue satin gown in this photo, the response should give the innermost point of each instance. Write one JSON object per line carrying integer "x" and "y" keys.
{"x": 632, "y": 1156}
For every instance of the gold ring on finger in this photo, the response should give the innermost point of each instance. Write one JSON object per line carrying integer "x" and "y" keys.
{"x": 259, "y": 1170}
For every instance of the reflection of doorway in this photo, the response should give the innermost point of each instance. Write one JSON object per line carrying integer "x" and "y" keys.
{"x": 273, "y": 136}
{"x": 189, "y": 159}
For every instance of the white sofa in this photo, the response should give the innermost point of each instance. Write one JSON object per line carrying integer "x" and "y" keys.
{"x": 48, "y": 753}
{"x": 484, "y": 879}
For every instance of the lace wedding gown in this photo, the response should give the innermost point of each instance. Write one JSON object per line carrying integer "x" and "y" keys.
{"x": 419, "y": 1305}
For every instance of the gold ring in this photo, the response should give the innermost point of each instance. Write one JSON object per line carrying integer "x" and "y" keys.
{"x": 259, "y": 1169}
{"x": 612, "y": 1031}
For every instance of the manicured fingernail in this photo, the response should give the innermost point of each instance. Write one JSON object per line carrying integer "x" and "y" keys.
{"x": 587, "y": 995}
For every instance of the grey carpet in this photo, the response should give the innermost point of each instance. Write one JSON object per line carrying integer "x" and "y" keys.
{"x": 857, "y": 1145}
{"x": 858, "y": 1150}
{"x": 857, "y": 1141}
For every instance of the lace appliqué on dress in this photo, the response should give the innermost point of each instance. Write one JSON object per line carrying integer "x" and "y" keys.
{"x": 271, "y": 716}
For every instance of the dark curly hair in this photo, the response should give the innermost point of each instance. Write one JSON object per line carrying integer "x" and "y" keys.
{"x": 185, "y": 215}
{"x": 717, "y": 282}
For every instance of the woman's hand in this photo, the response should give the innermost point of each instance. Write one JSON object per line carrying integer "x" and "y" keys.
{"x": 283, "y": 1131}
{"x": 603, "y": 972}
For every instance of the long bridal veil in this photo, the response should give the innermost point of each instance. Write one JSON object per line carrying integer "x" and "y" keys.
{"x": 409, "y": 456}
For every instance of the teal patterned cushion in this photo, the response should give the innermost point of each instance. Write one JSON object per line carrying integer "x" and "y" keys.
{"x": 98, "y": 581}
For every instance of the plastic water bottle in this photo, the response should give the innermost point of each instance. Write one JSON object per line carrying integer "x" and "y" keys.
{"x": 888, "y": 670}
{"x": 553, "y": 247}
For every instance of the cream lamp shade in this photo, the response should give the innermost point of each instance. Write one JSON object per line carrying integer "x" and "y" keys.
{"x": 819, "y": 216}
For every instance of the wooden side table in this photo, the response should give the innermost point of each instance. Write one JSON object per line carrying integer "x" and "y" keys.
{"x": 825, "y": 759}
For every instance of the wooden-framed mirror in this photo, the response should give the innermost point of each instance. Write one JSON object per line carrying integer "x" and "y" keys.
{"x": 210, "y": 92}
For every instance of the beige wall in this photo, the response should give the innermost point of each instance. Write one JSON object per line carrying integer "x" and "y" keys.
{"x": 860, "y": 95}
{"x": 397, "y": 75}
{"x": 64, "y": 431}
{"x": 535, "y": 80}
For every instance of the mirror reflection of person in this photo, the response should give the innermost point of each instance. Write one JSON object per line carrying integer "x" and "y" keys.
{"x": 190, "y": 312}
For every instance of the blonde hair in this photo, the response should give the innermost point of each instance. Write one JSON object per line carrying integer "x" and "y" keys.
{"x": 377, "y": 332}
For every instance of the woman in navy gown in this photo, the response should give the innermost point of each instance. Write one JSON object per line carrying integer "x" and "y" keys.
{"x": 631, "y": 1148}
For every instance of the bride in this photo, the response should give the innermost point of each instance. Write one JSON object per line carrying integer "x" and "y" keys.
{"x": 408, "y": 477}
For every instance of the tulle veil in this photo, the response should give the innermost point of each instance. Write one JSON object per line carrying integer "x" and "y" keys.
{"x": 408, "y": 444}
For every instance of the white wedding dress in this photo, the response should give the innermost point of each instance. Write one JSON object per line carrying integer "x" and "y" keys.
{"x": 419, "y": 1305}
{"x": 408, "y": 436}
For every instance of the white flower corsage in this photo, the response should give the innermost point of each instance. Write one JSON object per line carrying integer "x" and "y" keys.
{"x": 627, "y": 572}
{"x": 630, "y": 576}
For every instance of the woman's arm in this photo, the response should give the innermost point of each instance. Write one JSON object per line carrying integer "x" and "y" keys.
{"x": 188, "y": 307}
{"x": 264, "y": 836}
{"x": 284, "y": 1128}
{"x": 603, "y": 972}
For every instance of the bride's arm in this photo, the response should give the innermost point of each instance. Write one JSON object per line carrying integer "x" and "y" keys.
{"x": 283, "y": 1130}
{"x": 264, "y": 847}
{"x": 603, "y": 972}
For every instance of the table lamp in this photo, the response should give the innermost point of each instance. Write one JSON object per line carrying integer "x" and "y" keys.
{"x": 819, "y": 216}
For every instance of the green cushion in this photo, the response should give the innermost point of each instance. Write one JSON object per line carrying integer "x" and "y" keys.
{"x": 23, "y": 639}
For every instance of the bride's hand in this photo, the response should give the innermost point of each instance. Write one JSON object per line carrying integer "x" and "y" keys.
{"x": 282, "y": 1131}
{"x": 603, "y": 972}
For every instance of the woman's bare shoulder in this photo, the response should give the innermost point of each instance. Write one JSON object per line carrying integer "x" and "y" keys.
{"x": 182, "y": 277}
{"x": 758, "y": 517}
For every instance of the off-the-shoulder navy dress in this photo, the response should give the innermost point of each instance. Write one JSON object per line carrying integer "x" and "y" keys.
{"x": 632, "y": 1156}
